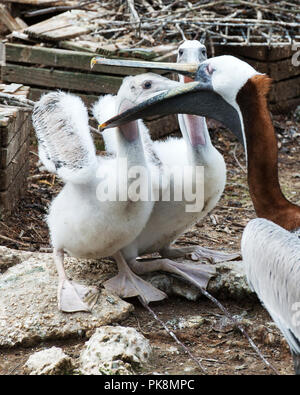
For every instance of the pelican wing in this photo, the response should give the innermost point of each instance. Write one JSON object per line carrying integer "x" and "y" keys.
{"x": 272, "y": 262}
{"x": 65, "y": 144}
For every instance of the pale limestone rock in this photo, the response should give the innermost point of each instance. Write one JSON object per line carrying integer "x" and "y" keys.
{"x": 114, "y": 350}
{"x": 230, "y": 282}
{"x": 52, "y": 361}
{"x": 28, "y": 301}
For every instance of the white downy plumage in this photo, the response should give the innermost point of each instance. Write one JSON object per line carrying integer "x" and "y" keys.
{"x": 78, "y": 221}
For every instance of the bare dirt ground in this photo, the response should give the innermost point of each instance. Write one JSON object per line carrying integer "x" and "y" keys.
{"x": 223, "y": 349}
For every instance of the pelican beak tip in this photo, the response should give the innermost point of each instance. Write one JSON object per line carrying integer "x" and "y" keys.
{"x": 102, "y": 126}
{"x": 93, "y": 62}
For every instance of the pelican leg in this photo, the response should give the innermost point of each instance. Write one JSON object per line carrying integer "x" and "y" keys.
{"x": 127, "y": 284}
{"x": 198, "y": 274}
{"x": 71, "y": 295}
{"x": 198, "y": 253}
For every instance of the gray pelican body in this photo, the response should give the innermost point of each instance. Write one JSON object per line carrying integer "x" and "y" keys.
{"x": 270, "y": 249}
{"x": 271, "y": 256}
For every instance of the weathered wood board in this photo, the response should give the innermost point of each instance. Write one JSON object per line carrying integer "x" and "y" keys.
{"x": 7, "y": 20}
{"x": 63, "y": 26}
{"x": 63, "y": 58}
{"x": 10, "y": 197}
{"x": 86, "y": 82}
{"x": 15, "y": 127}
{"x": 8, "y": 175}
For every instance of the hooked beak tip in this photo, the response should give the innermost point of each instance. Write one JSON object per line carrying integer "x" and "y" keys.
{"x": 102, "y": 126}
{"x": 93, "y": 62}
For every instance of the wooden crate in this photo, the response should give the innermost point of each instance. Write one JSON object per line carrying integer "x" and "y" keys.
{"x": 15, "y": 126}
{"x": 45, "y": 69}
{"x": 277, "y": 63}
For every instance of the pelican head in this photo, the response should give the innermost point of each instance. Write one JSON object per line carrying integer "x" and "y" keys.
{"x": 191, "y": 51}
{"x": 136, "y": 89}
{"x": 213, "y": 94}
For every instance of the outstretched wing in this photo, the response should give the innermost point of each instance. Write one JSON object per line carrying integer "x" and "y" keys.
{"x": 65, "y": 144}
{"x": 272, "y": 262}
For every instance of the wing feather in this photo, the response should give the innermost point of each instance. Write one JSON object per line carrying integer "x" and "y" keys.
{"x": 65, "y": 144}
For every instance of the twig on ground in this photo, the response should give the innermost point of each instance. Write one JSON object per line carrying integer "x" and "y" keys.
{"x": 241, "y": 329}
{"x": 173, "y": 335}
{"x": 14, "y": 241}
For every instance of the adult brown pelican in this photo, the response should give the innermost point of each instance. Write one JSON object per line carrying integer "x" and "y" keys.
{"x": 233, "y": 92}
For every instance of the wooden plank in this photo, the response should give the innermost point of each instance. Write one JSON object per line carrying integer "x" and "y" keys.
{"x": 259, "y": 52}
{"x": 284, "y": 106}
{"x": 62, "y": 58}
{"x": 12, "y": 118}
{"x": 7, "y": 154}
{"x": 8, "y": 175}
{"x": 84, "y": 82}
{"x": 110, "y": 50}
{"x": 280, "y": 53}
{"x": 8, "y": 20}
{"x": 255, "y": 53}
{"x": 282, "y": 69}
{"x": 11, "y": 196}
{"x": 15, "y": 123}
{"x": 282, "y": 90}
{"x": 63, "y": 26}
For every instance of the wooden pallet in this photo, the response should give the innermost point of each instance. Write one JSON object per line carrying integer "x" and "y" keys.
{"x": 277, "y": 63}
{"x": 15, "y": 126}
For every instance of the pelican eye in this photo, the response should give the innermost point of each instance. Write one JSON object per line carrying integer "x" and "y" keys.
{"x": 147, "y": 84}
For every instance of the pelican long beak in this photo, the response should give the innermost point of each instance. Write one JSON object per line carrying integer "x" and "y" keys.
{"x": 196, "y": 98}
{"x": 189, "y": 69}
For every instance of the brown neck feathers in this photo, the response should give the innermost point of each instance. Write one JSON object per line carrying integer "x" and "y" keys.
{"x": 268, "y": 199}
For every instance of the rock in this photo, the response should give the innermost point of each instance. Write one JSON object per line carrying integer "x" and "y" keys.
{"x": 9, "y": 257}
{"x": 114, "y": 350}
{"x": 52, "y": 361}
{"x": 172, "y": 285}
{"x": 180, "y": 323}
{"x": 28, "y": 301}
{"x": 230, "y": 282}
{"x": 297, "y": 114}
